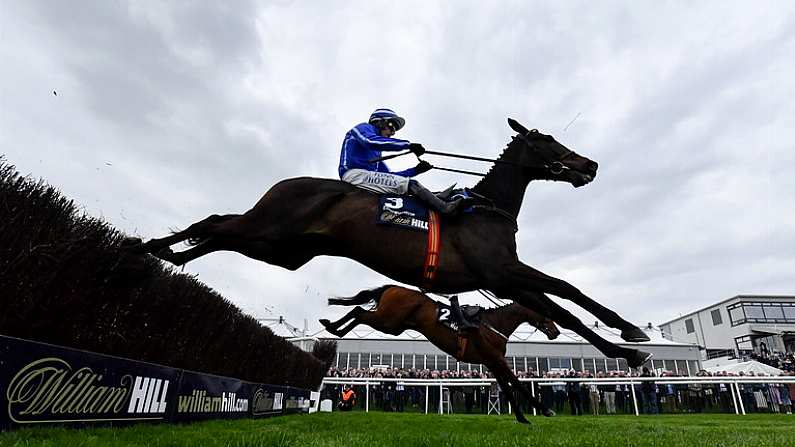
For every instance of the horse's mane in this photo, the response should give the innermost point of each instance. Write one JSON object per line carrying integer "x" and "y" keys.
{"x": 505, "y": 183}
{"x": 509, "y": 150}
{"x": 489, "y": 313}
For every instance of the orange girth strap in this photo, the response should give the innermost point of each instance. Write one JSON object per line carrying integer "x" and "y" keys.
{"x": 432, "y": 250}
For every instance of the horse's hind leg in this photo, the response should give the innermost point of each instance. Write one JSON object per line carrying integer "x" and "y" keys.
{"x": 544, "y": 305}
{"x": 389, "y": 316}
{"x": 183, "y": 257}
{"x": 334, "y": 328}
{"x": 379, "y": 323}
{"x": 197, "y": 230}
{"x": 525, "y": 277}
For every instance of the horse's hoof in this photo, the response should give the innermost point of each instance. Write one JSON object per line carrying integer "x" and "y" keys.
{"x": 523, "y": 420}
{"x": 329, "y": 327}
{"x": 548, "y": 413}
{"x": 634, "y": 335}
{"x": 165, "y": 254}
{"x": 133, "y": 244}
{"x": 639, "y": 359}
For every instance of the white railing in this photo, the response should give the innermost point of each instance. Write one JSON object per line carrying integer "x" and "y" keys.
{"x": 733, "y": 383}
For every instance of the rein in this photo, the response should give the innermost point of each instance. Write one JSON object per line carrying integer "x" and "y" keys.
{"x": 496, "y": 331}
{"x": 555, "y": 166}
{"x": 494, "y": 300}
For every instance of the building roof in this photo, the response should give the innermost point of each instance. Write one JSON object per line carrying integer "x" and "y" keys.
{"x": 740, "y": 297}
{"x": 523, "y": 334}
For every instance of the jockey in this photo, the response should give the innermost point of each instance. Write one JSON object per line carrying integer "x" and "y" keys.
{"x": 462, "y": 322}
{"x": 366, "y": 141}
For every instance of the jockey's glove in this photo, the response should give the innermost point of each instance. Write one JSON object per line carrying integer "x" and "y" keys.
{"x": 423, "y": 166}
{"x": 416, "y": 148}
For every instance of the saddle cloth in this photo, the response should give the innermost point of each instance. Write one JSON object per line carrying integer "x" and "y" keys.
{"x": 444, "y": 314}
{"x": 402, "y": 211}
{"x": 409, "y": 212}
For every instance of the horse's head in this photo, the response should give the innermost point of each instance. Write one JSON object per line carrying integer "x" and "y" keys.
{"x": 549, "y": 159}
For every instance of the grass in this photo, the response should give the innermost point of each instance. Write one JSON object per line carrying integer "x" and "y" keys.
{"x": 418, "y": 430}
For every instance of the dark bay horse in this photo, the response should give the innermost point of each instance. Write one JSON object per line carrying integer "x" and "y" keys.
{"x": 398, "y": 309}
{"x": 301, "y": 218}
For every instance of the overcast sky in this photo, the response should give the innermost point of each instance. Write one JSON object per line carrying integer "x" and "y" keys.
{"x": 168, "y": 112}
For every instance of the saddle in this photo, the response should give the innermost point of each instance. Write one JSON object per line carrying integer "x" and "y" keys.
{"x": 471, "y": 313}
{"x": 474, "y": 199}
{"x": 445, "y": 195}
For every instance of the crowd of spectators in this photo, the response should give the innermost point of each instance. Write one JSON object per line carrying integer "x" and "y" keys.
{"x": 415, "y": 373}
{"x": 575, "y": 397}
{"x": 406, "y": 373}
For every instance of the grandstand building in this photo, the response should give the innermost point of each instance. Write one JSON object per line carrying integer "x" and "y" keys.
{"x": 738, "y": 326}
{"x": 527, "y": 349}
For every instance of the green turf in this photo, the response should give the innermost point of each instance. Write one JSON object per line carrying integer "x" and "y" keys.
{"x": 416, "y": 430}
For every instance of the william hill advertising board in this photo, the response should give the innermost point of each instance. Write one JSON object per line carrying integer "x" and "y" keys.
{"x": 47, "y": 384}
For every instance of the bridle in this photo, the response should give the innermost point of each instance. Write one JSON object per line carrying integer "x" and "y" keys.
{"x": 555, "y": 167}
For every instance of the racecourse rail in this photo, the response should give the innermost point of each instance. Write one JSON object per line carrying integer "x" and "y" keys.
{"x": 733, "y": 382}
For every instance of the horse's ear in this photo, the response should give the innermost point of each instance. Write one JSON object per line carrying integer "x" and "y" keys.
{"x": 517, "y": 127}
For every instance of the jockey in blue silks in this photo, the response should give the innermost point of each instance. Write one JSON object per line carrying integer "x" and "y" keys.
{"x": 366, "y": 141}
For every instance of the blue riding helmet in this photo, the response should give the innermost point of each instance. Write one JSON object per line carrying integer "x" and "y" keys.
{"x": 388, "y": 115}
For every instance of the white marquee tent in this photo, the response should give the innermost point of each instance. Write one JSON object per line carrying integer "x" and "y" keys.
{"x": 746, "y": 367}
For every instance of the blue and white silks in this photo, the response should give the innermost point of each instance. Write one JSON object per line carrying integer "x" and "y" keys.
{"x": 364, "y": 142}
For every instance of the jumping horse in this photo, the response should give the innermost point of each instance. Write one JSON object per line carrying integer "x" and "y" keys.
{"x": 301, "y": 218}
{"x": 398, "y": 309}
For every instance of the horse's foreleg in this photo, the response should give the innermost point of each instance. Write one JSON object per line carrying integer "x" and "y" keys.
{"x": 525, "y": 277}
{"x": 499, "y": 364}
{"x": 544, "y": 305}
{"x": 510, "y": 393}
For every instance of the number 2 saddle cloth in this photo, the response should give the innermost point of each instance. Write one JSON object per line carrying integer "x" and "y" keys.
{"x": 443, "y": 314}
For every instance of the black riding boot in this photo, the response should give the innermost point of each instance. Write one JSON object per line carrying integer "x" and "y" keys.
{"x": 463, "y": 324}
{"x": 431, "y": 199}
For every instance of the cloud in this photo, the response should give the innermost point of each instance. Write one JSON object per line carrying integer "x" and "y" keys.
{"x": 167, "y": 113}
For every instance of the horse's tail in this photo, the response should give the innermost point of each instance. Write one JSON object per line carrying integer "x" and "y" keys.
{"x": 363, "y": 297}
